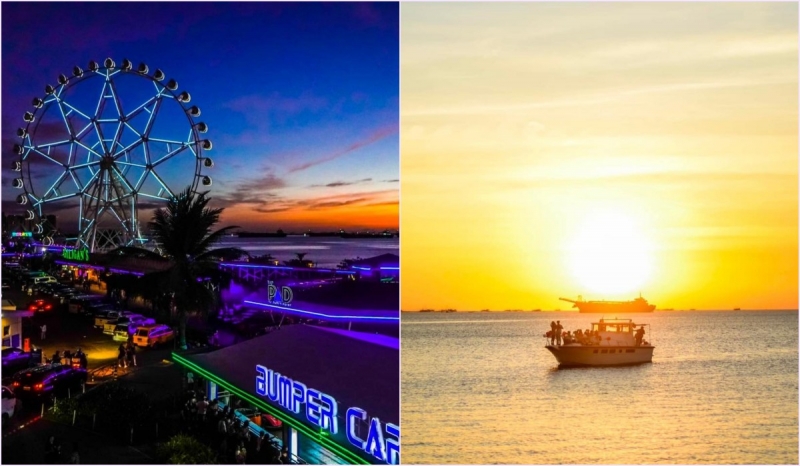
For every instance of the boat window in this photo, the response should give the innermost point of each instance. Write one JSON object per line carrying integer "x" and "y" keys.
{"x": 629, "y": 351}
{"x": 595, "y": 351}
{"x": 604, "y": 351}
{"x": 613, "y": 351}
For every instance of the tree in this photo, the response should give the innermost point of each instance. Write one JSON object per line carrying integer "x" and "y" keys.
{"x": 183, "y": 231}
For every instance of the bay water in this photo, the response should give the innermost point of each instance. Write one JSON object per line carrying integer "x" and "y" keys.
{"x": 326, "y": 252}
{"x": 481, "y": 388}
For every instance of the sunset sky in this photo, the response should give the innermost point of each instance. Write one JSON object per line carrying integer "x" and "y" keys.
{"x": 599, "y": 150}
{"x": 301, "y": 100}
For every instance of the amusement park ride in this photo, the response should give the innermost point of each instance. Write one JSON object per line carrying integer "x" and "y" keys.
{"x": 104, "y": 144}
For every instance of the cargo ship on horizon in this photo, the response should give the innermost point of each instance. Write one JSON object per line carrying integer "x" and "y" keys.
{"x": 611, "y": 307}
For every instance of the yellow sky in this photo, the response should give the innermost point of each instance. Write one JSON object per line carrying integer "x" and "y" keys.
{"x": 599, "y": 149}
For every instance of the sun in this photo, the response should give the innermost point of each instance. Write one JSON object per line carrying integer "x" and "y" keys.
{"x": 610, "y": 254}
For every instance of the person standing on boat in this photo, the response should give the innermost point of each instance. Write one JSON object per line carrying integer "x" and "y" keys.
{"x": 553, "y": 331}
{"x": 559, "y": 329}
{"x": 639, "y": 336}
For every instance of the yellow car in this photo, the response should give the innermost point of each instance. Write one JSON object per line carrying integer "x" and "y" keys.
{"x": 152, "y": 335}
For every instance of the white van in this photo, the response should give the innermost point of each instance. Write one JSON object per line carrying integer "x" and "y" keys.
{"x": 44, "y": 279}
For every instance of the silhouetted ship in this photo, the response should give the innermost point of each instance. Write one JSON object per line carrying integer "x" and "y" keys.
{"x": 611, "y": 307}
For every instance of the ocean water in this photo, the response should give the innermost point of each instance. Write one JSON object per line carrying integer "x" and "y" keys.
{"x": 481, "y": 388}
{"x": 326, "y": 252}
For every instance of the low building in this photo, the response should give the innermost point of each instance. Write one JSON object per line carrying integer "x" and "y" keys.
{"x": 335, "y": 392}
{"x": 12, "y": 324}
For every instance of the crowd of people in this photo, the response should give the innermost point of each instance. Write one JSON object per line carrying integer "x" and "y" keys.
{"x": 218, "y": 426}
{"x": 126, "y": 356}
{"x": 78, "y": 358}
{"x": 558, "y": 336}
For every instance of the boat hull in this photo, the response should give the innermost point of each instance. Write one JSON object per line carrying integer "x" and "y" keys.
{"x": 577, "y": 355}
{"x": 599, "y": 307}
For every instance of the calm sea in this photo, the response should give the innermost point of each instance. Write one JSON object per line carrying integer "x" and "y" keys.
{"x": 326, "y": 252}
{"x": 481, "y": 388}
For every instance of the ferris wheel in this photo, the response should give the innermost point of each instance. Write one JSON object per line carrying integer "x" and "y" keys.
{"x": 105, "y": 145}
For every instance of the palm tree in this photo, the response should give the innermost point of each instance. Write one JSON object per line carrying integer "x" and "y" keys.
{"x": 183, "y": 231}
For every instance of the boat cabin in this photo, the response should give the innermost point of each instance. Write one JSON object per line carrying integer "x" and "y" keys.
{"x": 615, "y": 332}
{"x": 614, "y": 325}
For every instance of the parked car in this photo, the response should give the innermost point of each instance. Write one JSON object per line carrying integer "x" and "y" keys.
{"x": 130, "y": 321}
{"x": 153, "y": 335}
{"x": 61, "y": 292}
{"x": 47, "y": 380}
{"x": 121, "y": 332}
{"x": 40, "y": 305}
{"x": 9, "y": 404}
{"x": 77, "y": 303}
{"x": 15, "y": 360}
{"x": 102, "y": 318}
{"x": 100, "y": 307}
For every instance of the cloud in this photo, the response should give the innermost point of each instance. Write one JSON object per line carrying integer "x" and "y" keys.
{"x": 329, "y": 204}
{"x": 391, "y": 181}
{"x": 336, "y": 184}
{"x": 374, "y": 137}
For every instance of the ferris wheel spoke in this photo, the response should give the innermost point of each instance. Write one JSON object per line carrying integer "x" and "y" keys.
{"x": 121, "y": 178}
{"x": 161, "y": 182}
{"x": 84, "y": 165}
{"x": 75, "y": 109}
{"x": 168, "y": 141}
{"x": 141, "y": 108}
{"x": 84, "y": 131}
{"x": 90, "y": 150}
{"x": 117, "y": 103}
{"x": 134, "y": 130}
{"x": 58, "y": 198}
{"x": 153, "y": 196}
{"x": 64, "y": 116}
{"x": 53, "y": 144}
{"x": 169, "y": 155}
{"x": 140, "y": 182}
{"x": 99, "y": 133}
{"x": 56, "y": 184}
{"x": 130, "y": 164}
{"x": 152, "y": 118}
{"x": 47, "y": 156}
{"x": 126, "y": 150}
{"x": 89, "y": 184}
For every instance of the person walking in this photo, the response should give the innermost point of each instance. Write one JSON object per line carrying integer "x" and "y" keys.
{"x": 559, "y": 329}
{"x": 121, "y": 356}
{"x": 130, "y": 354}
{"x": 43, "y": 330}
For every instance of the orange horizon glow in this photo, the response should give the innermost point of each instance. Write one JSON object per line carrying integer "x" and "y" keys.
{"x": 547, "y": 153}
{"x": 382, "y": 216}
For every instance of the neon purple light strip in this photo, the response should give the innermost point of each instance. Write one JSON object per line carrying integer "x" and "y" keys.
{"x": 279, "y": 267}
{"x": 319, "y": 314}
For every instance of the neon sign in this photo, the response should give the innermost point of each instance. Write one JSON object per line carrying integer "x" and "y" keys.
{"x": 285, "y": 297}
{"x": 321, "y": 410}
{"x": 81, "y": 255}
{"x": 21, "y": 234}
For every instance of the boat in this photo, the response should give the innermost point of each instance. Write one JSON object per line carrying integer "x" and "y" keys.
{"x": 612, "y": 343}
{"x": 611, "y": 307}
{"x": 737, "y": 309}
